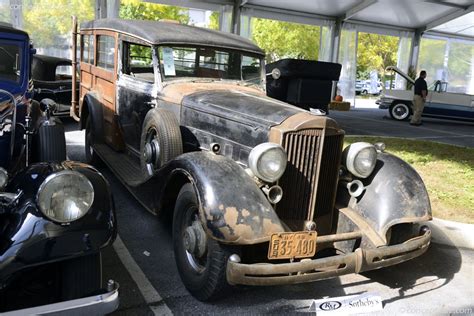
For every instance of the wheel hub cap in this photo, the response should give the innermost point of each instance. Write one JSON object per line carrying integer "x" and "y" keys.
{"x": 195, "y": 239}
{"x": 151, "y": 152}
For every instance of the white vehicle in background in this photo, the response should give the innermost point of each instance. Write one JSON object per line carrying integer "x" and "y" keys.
{"x": 439, "y": 102}
{"x": 363, "y": 87}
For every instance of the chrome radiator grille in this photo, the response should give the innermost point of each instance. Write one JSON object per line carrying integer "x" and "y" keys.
{"x": 307, "y": 183}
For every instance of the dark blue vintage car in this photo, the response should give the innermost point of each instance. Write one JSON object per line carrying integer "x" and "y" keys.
{"x": 55, "y": 215}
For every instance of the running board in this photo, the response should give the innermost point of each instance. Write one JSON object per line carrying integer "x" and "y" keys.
{"x": 122, "y": 165}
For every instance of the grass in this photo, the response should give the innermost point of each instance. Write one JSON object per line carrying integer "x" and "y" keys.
{"x": 447, "y": 170}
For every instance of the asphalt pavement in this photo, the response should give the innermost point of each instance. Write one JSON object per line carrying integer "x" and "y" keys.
{"x": 439, "y": 282}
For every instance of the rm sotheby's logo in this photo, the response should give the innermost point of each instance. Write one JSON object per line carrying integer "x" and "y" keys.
{"x": 346, "y": 305}
{"x": 330, "y": 305}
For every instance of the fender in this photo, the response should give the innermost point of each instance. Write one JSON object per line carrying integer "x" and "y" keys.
{"x": 32, "y": 239}
{"x": 92, "y": 106}
{"x": 395, "y": 194}
{"x": 233, "y": 209}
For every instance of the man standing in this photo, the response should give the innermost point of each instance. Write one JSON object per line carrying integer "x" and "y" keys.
{"x": 421, "y": 90}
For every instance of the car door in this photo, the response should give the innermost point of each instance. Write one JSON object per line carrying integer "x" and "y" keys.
{"x": 448, "y": 105}
{"x": 135, "y": 88}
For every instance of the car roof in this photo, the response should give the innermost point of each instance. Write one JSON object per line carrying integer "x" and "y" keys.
{"x": 44, "y": 67}
{"x": 52, "y": 59}
{"x": 156, "y": 33}
{"x": 8, "y": 28}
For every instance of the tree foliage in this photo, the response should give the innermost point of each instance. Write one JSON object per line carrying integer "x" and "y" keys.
{"x": 375, "y": 52}
{"x": 48, "y": 21}
{"x": 286, "y": 40}
{"x": 136, "y": 9}
{"x": 214, "y": 21}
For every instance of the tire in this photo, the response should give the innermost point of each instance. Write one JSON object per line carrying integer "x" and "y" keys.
{"x": 364, "y": 92}
{"x": 81, "y": 277}
{"x": 50, "y": 143}
{"x": 205, "y": 276}
{"x": 161, "y": 132}
{"x": 400, "y": 111}
{"x": 91, "y": 156}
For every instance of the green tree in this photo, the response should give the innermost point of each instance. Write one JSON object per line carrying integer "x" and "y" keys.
{"x": 137, "y": 9}
{"x": 214, "y": 21}
{"x": 375, "y": 52}
{"x": 48, "y": 21}
{"x": 286, "y": 40}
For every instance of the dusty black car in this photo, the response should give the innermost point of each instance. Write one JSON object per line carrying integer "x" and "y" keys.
{"x": 52, "y": 79}
{"x": 259, "y": 192}
{"x": 55, "y": 215}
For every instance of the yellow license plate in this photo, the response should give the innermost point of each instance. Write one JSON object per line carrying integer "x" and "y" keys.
{"x": 292, "y": 245}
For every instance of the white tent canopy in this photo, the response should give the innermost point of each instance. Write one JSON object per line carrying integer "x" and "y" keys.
{"x": 411, "y": 15}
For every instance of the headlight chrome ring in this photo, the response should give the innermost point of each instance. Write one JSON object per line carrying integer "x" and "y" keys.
{"x": 65, "y": 196}
{"x": 360, "y": 159}
{"x": 268, "y": 161}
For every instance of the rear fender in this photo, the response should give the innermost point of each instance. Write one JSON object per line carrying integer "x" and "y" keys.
{"x": 232, "y": 207}
{"x": 92, "y": 107}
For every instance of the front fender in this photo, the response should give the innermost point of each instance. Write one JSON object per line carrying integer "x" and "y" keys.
{"x": 395, "y": 194}
{"x": 32, "y": 239}
{"x": 232, "y": 207}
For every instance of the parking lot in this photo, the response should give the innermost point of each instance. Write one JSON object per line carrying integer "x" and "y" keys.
{"x": 142, "y": 261}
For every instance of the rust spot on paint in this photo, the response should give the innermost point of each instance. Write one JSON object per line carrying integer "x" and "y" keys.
{"x": 231, "y": 214}
{"x": 245, "y": 213}
{"x": 270, "y": 227}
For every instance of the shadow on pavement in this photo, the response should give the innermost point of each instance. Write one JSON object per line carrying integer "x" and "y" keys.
{"x": 431, "y": 271}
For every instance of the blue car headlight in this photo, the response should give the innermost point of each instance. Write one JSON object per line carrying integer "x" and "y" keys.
{"x": 65, "y": 196}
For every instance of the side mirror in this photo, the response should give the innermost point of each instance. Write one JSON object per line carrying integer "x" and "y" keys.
{"x": 276, "y": 73}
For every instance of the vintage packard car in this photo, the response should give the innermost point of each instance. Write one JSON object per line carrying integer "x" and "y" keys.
{"x": 259, "y": 192}
{"x": 55, "y": 215}
{"x": 439, "y": 104}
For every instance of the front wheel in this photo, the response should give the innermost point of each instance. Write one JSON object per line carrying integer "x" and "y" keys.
{"x": 201, "y": 261}
{"x": 399, "y": 111}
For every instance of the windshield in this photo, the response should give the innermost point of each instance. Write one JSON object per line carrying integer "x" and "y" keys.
{"x": 10, "y": 61}
{"x": 200, "y": 62}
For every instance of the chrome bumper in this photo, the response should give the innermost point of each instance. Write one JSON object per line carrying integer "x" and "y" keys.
{"x": 383, "y": 104}
{"x": 93, "y": 305}
{"x": 317, "y": 269}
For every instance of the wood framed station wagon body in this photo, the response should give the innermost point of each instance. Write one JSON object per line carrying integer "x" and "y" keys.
{"x": 251, "y": 184}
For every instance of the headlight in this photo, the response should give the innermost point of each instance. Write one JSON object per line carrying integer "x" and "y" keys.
{"x": 65, "y": 196}
{"x": 360, "y": 159}
{"x": 268, "y": 161}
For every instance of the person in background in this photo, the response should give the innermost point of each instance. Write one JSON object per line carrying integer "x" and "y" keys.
{"x": 421, "y": 91}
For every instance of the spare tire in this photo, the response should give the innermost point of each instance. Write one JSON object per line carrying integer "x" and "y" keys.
{"x": 160, "y": 141}
{"x": 50, "y": 142}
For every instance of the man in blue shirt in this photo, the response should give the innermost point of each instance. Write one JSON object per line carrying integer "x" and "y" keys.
{"x": 421, "y": 91}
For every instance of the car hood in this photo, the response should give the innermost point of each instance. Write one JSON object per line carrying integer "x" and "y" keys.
{"x": 238, "y": 118}
{"x": 241, "y": 106}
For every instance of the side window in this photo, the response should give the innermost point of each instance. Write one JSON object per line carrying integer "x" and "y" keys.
{"x": 87, "y": 52}
{"x": 138, "y": 61}
{"x": 105, "y": 52}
